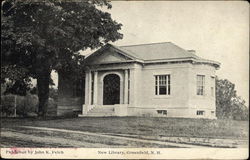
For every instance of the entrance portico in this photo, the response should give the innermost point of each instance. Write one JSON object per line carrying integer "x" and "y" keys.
{"x": 104, "y": 88}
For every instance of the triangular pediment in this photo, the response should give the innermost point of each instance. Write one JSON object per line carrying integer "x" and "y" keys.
{"x": 107, "y": 55}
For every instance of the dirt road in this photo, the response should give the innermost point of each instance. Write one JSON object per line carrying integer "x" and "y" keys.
{"x": 27, "y": 136}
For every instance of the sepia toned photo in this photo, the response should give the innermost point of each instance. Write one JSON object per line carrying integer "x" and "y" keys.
{"x": 104, "y": 79}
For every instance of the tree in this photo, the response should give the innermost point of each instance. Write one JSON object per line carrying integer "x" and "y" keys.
{"x": 240, "y": 111}
{"x": 53, "y": 92}
{"x": 228, "y": 104}
{"x": 39, "y": 37}
{"x": 15, "y": 80}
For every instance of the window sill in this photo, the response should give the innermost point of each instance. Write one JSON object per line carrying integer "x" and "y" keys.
{"x": 162, "y": 96}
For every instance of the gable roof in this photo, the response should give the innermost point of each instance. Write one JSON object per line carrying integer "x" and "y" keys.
{"x": 155, "y": 53}
{"x": 129, "y": 57}
{"x": 158, "y": 51}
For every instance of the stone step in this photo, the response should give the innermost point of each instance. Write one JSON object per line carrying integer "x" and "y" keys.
{"x": 99, "y": 115}
{"x": 102, "y": 107}
{"x": 101, "y": 111}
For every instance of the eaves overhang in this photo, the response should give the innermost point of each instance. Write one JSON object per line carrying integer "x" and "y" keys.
{"x": 209, "y": 62}
{"x": 184, "y": 60}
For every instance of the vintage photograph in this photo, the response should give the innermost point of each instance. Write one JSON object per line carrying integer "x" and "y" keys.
{"x": 124, "y": 79}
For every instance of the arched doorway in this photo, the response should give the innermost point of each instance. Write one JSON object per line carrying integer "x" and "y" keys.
{"x": 111, "y": 89}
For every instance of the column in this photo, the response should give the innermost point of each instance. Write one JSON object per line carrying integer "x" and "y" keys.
{"x": 126, "y": 87}
{"x": 95, "y": 88}
{"x": 89, "y": 87}
{"x": 132, "y": 89}
{"x": 86, "y": 88}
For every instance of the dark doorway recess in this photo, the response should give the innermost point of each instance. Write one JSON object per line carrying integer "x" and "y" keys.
{"x": 111, "y": 89}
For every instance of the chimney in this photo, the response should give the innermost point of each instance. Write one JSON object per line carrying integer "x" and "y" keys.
{"x": 191, "y": 51}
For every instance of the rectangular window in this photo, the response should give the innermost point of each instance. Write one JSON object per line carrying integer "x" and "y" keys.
{"x": 200, "y": 112}
{"x": 164, "y": 112}
{"x": 212, "y": 84}
{"x": 200, "y": 84}
{"x": 162, "y": 85}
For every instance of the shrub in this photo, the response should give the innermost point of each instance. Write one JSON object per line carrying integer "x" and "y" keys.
{"x": 228, "y": 104}
{"x": 52, "y": 107}
{"x": 53, "y": 93}
{"x": 25, "y": 105}
{"x": 7, "y": 105}
{"x": 29, "y": 105}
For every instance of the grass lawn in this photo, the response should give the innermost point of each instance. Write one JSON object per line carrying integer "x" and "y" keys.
{"x": 149, "y": 126}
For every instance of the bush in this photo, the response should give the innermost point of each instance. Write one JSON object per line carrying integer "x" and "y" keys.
{"x": 228, "y": 104}
{"x": 7, "y": 105}
{"x": 26, "y": 105}
{"x": 52, "y": 107}
{"x": 53, "y": 93}
{"x": 29, "y": 105}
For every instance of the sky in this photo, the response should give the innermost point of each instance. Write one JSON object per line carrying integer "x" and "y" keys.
{"x": 216, "y": 30}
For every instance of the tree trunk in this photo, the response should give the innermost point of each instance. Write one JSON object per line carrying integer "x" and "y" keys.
{"x": 43, "y": 79}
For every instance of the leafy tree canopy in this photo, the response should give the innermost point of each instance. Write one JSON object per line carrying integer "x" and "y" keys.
{"x": 53, "y": 30}
{"x": 40, "y": 36}
{"x": 228, "y": 104}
